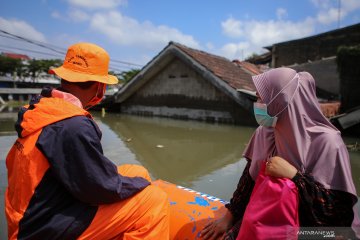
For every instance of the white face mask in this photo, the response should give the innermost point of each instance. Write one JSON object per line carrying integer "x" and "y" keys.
{"x": 260, "y": 109}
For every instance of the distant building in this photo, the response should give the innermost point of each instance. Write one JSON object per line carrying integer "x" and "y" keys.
{"x": 14, "y": 87}
{"x": 313, "y": 48}
{"x": 326, "y": 76}
{"x": 181, "y": 82}
{"x": 315, "y": 54}
{"x": 16, "y": 56}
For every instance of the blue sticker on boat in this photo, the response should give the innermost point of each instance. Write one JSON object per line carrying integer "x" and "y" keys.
{"x": 200, "y": 201}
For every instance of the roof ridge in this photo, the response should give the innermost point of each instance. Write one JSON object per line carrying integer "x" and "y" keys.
{"x": 225, "y": 69}
{"x": 197, "y": 50}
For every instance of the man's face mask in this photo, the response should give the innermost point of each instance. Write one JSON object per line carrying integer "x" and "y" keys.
{"x": 260, "y": 109}
{"x": 98, "y": 97}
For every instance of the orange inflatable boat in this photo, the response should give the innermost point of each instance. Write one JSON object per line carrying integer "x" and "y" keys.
{"x": 189, "y": 210}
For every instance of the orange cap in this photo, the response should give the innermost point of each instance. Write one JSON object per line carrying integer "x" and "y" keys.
{"x": 85, "y": 62}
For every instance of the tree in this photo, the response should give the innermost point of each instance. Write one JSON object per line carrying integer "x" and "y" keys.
{"x": 36, "y": 67}
{"x": 126, "y": 76}
{"x": 33, "y": 68}
{"x": 10, "y": 65}
{"x": 253, "y": 55}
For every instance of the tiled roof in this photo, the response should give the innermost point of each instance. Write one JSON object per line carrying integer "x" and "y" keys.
{"x": 230, "y": 72}
{"x": 252, "y": 68}
{"x": 16, "y": 56}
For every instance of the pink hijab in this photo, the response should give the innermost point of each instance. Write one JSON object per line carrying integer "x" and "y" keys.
{"x": 302, "y": 135}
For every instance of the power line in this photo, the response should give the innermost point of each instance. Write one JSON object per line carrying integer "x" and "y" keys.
{"x": 133, "y": 64}
{"x": 38, "y": 43}
{"x": 122, "y": 68}
{"x": 6, "y": 36}
{"x": 6, "y": 48}
{"x": 339, "y": 12}
{"x": 31, "y": 41}
{"x": 118, "y": 69}
{"x": 52, "y": 47}
{"x": 111, "y": 67}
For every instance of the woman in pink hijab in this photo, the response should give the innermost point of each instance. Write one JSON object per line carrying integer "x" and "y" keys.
{"x": 300, "y": 144}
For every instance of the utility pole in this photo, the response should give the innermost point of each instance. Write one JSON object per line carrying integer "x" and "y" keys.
{"x": 339, "y": 12}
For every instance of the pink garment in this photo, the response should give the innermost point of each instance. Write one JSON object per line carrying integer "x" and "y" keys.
{"x": 303, "y": 135}
{"x": 272, "y": 212}
{"x": 260, "y": 147}
{"x": 67, "y": 97}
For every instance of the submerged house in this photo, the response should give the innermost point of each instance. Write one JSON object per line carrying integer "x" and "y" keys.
{"x": 185, "y": 83}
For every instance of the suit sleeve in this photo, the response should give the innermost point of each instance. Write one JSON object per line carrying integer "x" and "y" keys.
{"x": 75, "y": 154}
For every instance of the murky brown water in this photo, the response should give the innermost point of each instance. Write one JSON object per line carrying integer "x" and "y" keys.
{"x": 202, "y": 156}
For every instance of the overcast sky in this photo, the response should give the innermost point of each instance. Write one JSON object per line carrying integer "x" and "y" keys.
{"x": 135, "y": 31}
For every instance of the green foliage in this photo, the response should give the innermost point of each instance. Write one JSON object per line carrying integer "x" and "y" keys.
{"x": 349, "y": 50}
{"x": 348, "y": 57}
{"x": 32, "y": 68}
{"x": 253, "y": 55}
{"x": 126, "y": 76}
{"x": 36, "y": 67}
{"x": 9, "y": 65}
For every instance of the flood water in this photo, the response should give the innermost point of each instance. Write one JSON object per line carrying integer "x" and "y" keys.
{"x": 202, "y": 156}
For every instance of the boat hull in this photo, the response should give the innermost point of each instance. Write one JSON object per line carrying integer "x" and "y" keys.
{"x": 190, "y": 210}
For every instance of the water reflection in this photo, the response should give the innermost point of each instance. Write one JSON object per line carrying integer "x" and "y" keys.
{"x": 8, "y": 116}
{"x": 179, "y": 151}
{"x": 5, "y": 143}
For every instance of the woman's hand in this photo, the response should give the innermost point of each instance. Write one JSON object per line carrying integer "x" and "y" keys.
{"x": 279, "y": 167}
{"x": 216, "y": 229}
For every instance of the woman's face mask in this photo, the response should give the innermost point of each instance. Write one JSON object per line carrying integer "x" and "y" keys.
{"x": 262, "y": 117}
